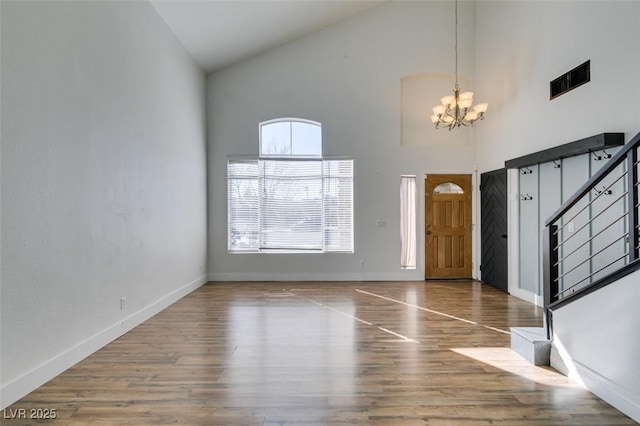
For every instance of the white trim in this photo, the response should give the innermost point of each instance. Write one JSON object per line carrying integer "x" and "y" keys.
{"x": 289, "y": 119}
{"x": 527, "y": 296}
{"x": 475, "y": 225}
{"x": 609, "y": 391}
{"x": 513, "y": 240}
{"x": 401, "y": 275}
{"x": 21, "y": 386}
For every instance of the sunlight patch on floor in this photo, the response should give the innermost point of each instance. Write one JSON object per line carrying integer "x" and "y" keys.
{"x": 507, "y": 360}
{"x": 571, "y": 369}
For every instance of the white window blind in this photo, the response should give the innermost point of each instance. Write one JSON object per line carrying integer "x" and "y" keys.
{"x": 338, "y": 205}
{"x": 243, "y": 205}
{"x": 408, "y": 222}
{"x": 290, "y": 205}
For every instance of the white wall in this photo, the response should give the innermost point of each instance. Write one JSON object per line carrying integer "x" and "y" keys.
{"x": 103, "y": 180}
{"x": 596, "y": 338}
{"x": 522, "y": 46}
{"x": 348, "y": 77}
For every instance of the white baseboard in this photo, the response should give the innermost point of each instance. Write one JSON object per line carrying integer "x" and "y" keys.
{"x": 365, "y": 276}
{"x": 612, "y": 393}
{"x": 31, "y": 380}
{"x": 527, "y": 296}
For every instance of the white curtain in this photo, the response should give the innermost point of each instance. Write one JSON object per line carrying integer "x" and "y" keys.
{"x": 408, "y": 222}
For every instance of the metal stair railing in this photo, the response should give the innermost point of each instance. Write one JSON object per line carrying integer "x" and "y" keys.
{"x": 593, "y": 240}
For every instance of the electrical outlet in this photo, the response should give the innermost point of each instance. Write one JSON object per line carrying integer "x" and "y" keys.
{"x": 123, "y": 303}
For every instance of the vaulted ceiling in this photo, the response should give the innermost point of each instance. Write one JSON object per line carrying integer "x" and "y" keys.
{"x": 219, "y": 33}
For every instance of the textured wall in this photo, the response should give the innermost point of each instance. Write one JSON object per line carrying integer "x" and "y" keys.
{"x": 103, "y": 179}
{"x": 348, "y": 77}
{"x": 522, "y": 46}
{"x": 596, "y": 337}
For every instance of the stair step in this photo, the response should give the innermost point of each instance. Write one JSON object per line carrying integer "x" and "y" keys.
{"x": 532, "y": 344}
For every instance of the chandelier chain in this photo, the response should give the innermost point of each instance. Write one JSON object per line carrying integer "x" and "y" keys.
{"x": 456, "y": 14}
{"x": 457, "y": 110}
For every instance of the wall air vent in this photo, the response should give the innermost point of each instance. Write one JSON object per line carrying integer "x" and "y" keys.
{"x": 569, "y": 81}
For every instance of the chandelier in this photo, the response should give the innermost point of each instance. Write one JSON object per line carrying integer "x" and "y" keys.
{"x": 456, "y": 110}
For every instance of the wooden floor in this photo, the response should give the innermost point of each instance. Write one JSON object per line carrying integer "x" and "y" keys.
{"x": 393, "y": 353}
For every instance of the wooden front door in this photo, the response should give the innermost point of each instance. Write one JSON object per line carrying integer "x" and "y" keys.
{"x": 448, "y": 226}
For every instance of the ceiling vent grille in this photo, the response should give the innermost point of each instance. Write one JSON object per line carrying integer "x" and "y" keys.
{"x": 569, "y": 81}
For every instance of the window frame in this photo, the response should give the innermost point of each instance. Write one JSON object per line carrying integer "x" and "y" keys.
{"x": 289, "y": 120}
{"x": 343, "y": 233}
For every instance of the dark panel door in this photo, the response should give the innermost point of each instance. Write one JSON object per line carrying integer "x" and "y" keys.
{"x": 493, "y": 230}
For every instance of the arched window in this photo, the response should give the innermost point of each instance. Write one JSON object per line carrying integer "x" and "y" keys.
{"x": 290, "y": 198}
{"x": 290, "y": 137}
{"x": 448, "y": 188}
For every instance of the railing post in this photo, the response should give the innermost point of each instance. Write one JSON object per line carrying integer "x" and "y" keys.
{"x": 632, "y": 200}
{"x": 550, "y": 268}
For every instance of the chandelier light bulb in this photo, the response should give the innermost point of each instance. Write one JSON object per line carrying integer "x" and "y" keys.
{"x": 471, "y": 115}
{"x": 465, "y": 103}
{"x": 458, "y": 110}
{"x": 481, "y": 108}
{"x": 466, "y": 95}
{"x": 447, "y": 100}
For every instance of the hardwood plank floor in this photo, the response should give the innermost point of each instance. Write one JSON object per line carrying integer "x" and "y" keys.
{"x": 387, "y": 353}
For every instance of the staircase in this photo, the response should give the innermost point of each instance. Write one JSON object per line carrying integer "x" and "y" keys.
{"x": 532, "y": 344}
{"x": 592, "y": 286}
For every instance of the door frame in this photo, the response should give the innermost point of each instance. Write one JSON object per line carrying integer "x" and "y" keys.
{"x": 475, "y": 236}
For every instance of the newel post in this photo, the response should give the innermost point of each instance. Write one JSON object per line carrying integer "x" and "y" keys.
{"x": 550, "y": 267}
{"x": 632, "y": 202}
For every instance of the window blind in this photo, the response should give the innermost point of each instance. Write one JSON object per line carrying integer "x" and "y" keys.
{"x": 408, "y": 222}
{"x": 242, "y": 205}
{"x": 290, "y": 205}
